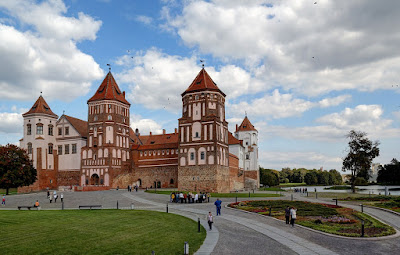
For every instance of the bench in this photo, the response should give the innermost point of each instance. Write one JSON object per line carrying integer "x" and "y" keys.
{"x": 90, "y": 206}
{"x": 26, "y": 206}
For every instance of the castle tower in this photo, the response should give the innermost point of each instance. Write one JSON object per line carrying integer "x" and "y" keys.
{"x": 107, "y": 152}
{"x": 249, "y": 135}
{"x": 203, "y": 143}
{"x": 39, "y": 140}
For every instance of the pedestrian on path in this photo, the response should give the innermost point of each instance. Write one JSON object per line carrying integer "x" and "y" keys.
{"x": 218, "y": 205}
{"x": 62, "y": 197}
{"x": 210, "y": 220}
{"x": 287, "y": 214}
{"x": 3, "y": 201}
{"x": 51, "y": 199}
{"x": 55, "y": 198}
{"x": 293, "y": 216}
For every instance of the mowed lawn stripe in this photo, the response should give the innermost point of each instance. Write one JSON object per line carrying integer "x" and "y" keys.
{"x": 96, "y": 232}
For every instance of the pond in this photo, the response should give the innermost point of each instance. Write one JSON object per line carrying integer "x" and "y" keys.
{"x": 371, "y": 189}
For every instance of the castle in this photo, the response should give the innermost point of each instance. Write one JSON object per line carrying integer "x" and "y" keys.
{"x": 104, "y": 152}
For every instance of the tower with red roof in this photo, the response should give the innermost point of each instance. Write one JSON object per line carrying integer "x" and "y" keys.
{"x": 107, "y": 152}
{"x": 203, "y": 160}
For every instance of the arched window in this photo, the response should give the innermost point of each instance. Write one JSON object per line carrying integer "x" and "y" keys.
{"x": 29, "y": 148}
{"x": 28, "y": 129}
{"x": 50, "y": 148}
{"x": 39, "y": 129}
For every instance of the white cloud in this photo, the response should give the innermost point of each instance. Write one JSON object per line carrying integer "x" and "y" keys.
{"x": 312, "y": 49}
{"x": 11, "y": 123}
{"x": 43, "y": 56}
{"x": 144, "y": 19}
{"x": 328, "y": 102}
{"x": 145, "y": 126}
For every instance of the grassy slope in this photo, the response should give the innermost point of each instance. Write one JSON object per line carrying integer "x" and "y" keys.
{"x": 96, "y": 232}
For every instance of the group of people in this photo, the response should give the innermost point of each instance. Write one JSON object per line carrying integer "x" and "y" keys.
{"x": 190, "y": 197}
{"x": 300, "y": 190}
{"x": 134, "y": 187}
{"x": 290, "y": 214}
{"x": 55, "y": 196}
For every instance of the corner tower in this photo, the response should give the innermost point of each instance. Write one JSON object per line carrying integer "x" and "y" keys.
{"x": 107, "y": 152}
{"x": 203, "y": 138}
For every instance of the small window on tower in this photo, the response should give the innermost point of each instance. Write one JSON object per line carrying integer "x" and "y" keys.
{"x": 29, "y": 129}
{"x": 59, "y": 150}
{"x": 29, "y": 148}
{"x": 247, "y": 156}
{"x": 197, "y": 97}
{"x": 66, "y": 130}
{"x": 59, "y": 131}
{"x": 109, "y": 117}
{"x": 197, "y": 134}
{"x": 192, "y": 156}
{"x": 95, "y": 118}
{"x": 50, "y": 148}
{"x": 202, "y": 155}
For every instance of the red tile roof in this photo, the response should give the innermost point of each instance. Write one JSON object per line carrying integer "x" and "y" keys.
{"x": 109, "y": 90}
{"x": 202, "y": 82}
{"x": 136, "y": 139}
{"x": 40, "y": 106}
{"x": 80, "y": 125}
{"x": 159, "y": 139}
{"x": 246, "y": 126}
{"x": 232, "y": 139}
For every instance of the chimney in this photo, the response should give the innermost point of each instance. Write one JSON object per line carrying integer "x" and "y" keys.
{"x": 236, "y": 127}
{"x": 137, "y": 132}
{"x": 123, "y": 93}
{"x": 176, "y": 131}
{"x": 163, "y": 131}
{"x": 150, "y": 133}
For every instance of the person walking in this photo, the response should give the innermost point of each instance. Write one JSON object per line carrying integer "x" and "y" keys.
{"x": 218, "y": 205}
{"x": 293, "y": 216}
{"x": 287, "y": 214}
{"x": 62, "y": 197}
{"x": 51, "y": 198}
{"x": 3, "y": 201}
{"x": 55, "y": 198}
{"x": 210, "y": 220}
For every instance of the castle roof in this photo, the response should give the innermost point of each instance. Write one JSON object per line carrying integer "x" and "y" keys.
{"x": 246, "y": 125}
{"x": 109, "y": 90}
{"x": 233, "y": 140}
{"x": 80, "y": 125}
{"x": 40, "y": 106}
{"x": 202, "y": 82}
{"x": 159, "y": 139}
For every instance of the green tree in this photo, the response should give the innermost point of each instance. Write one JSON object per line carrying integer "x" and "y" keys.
{"x": 335, "y": 178}
{"x": 361, "y": 153}
{"x": 269, "y": 177}
{"x": 16, "y": 168}
{"x": 284, "y": 174}
{"x": 390, "y": 173}
{"x": 311, "y": 178}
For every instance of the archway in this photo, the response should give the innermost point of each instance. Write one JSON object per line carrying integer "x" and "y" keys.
{"x": 94, "y": 180}
{"x": 140, "y": 182}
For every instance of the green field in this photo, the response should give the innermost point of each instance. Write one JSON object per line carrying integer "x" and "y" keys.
{"x": 387, "y": 202}
{"x": 275, "y": 188}
{"x": 220, "y": 195}
{"x": 292, "y": 184}
{"x": 97, "y": 232}
{"x": 323, "y": 217}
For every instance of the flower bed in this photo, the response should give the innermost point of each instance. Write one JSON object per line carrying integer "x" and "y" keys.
{"x": 324, "y": 217}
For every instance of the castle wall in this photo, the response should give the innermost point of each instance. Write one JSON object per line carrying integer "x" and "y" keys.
{"x": 210, "y": 178}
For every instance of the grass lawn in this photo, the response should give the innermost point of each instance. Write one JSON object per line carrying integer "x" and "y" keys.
{"x": 292, "y": 184}
{"x": 11, "y": 191}
{"x": 387, "y": 202}
{"x": 219, "y": 195}
{"x": 275, "y": 188}
{"x": 327, "y": 218}
{"x": 96, "y": 232}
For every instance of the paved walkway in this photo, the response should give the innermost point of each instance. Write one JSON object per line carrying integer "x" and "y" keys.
{"x": 235, "y": 232}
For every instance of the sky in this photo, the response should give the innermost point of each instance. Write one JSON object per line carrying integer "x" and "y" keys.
{"x": 305, "y": 72}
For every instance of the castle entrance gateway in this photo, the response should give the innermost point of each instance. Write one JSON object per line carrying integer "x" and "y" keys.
{"x": 94, "y": 179}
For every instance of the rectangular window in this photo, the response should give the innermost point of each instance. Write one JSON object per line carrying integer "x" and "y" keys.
{"x": 66, "y": 130}
{"x": 202, "y": 155}
{"x": 59, "y": 131}
{"x": 29, "y": 148}
{"x": 29, "y": 129}
{"x": 247, "y": 156}
{"x": 50, "y": 148}
{"x": 39, "y": 130}
{"x": 192, "y": 156}
{"x": 59, "y": 149}
{"x": 74, "y": 148}
{"x": 51, "y": 130}
{"x": 66, "y": 149}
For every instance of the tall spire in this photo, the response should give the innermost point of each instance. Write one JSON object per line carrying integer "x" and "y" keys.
{"x": 109, "y": 90}
{"x": 202, "y": 82}
{"x": 40, "y": 107}
{"x": 246, "y": 125}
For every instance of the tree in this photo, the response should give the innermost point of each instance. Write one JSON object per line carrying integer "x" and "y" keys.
{"x": 269, "y": 177}
{"x": 311, "y": 178}
{"x": 334, "y": 177}
{"x": 390, "y": 173}
{"x": 16, "y": 168}
{"x": 361, "y": 153}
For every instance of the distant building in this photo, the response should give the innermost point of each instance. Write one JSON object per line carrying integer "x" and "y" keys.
{"x": 373, "y": 172}
{"x": 104, "y": 152}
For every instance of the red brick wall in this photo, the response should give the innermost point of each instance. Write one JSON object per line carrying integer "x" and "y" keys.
{"x": 68, "y": 178}
{"x": 236, "y": 176}
{"x": 148, "y": 175}
{"x": 211, "y": 178}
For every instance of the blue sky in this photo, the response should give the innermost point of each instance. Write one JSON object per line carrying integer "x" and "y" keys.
{"x": 305, "y": 73}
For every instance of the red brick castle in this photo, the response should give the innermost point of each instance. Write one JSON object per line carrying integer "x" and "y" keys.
{"x": 104, "y": 152}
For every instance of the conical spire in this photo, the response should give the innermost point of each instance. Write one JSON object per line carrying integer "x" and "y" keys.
{"x": 202, "y": 82}
{"x": 40, "y": 106}
{"x": 246, "y": 125}
{"x": 109, "y": 90}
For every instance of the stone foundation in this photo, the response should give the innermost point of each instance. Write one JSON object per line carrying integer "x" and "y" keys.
{"x": 209, "y": 178}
